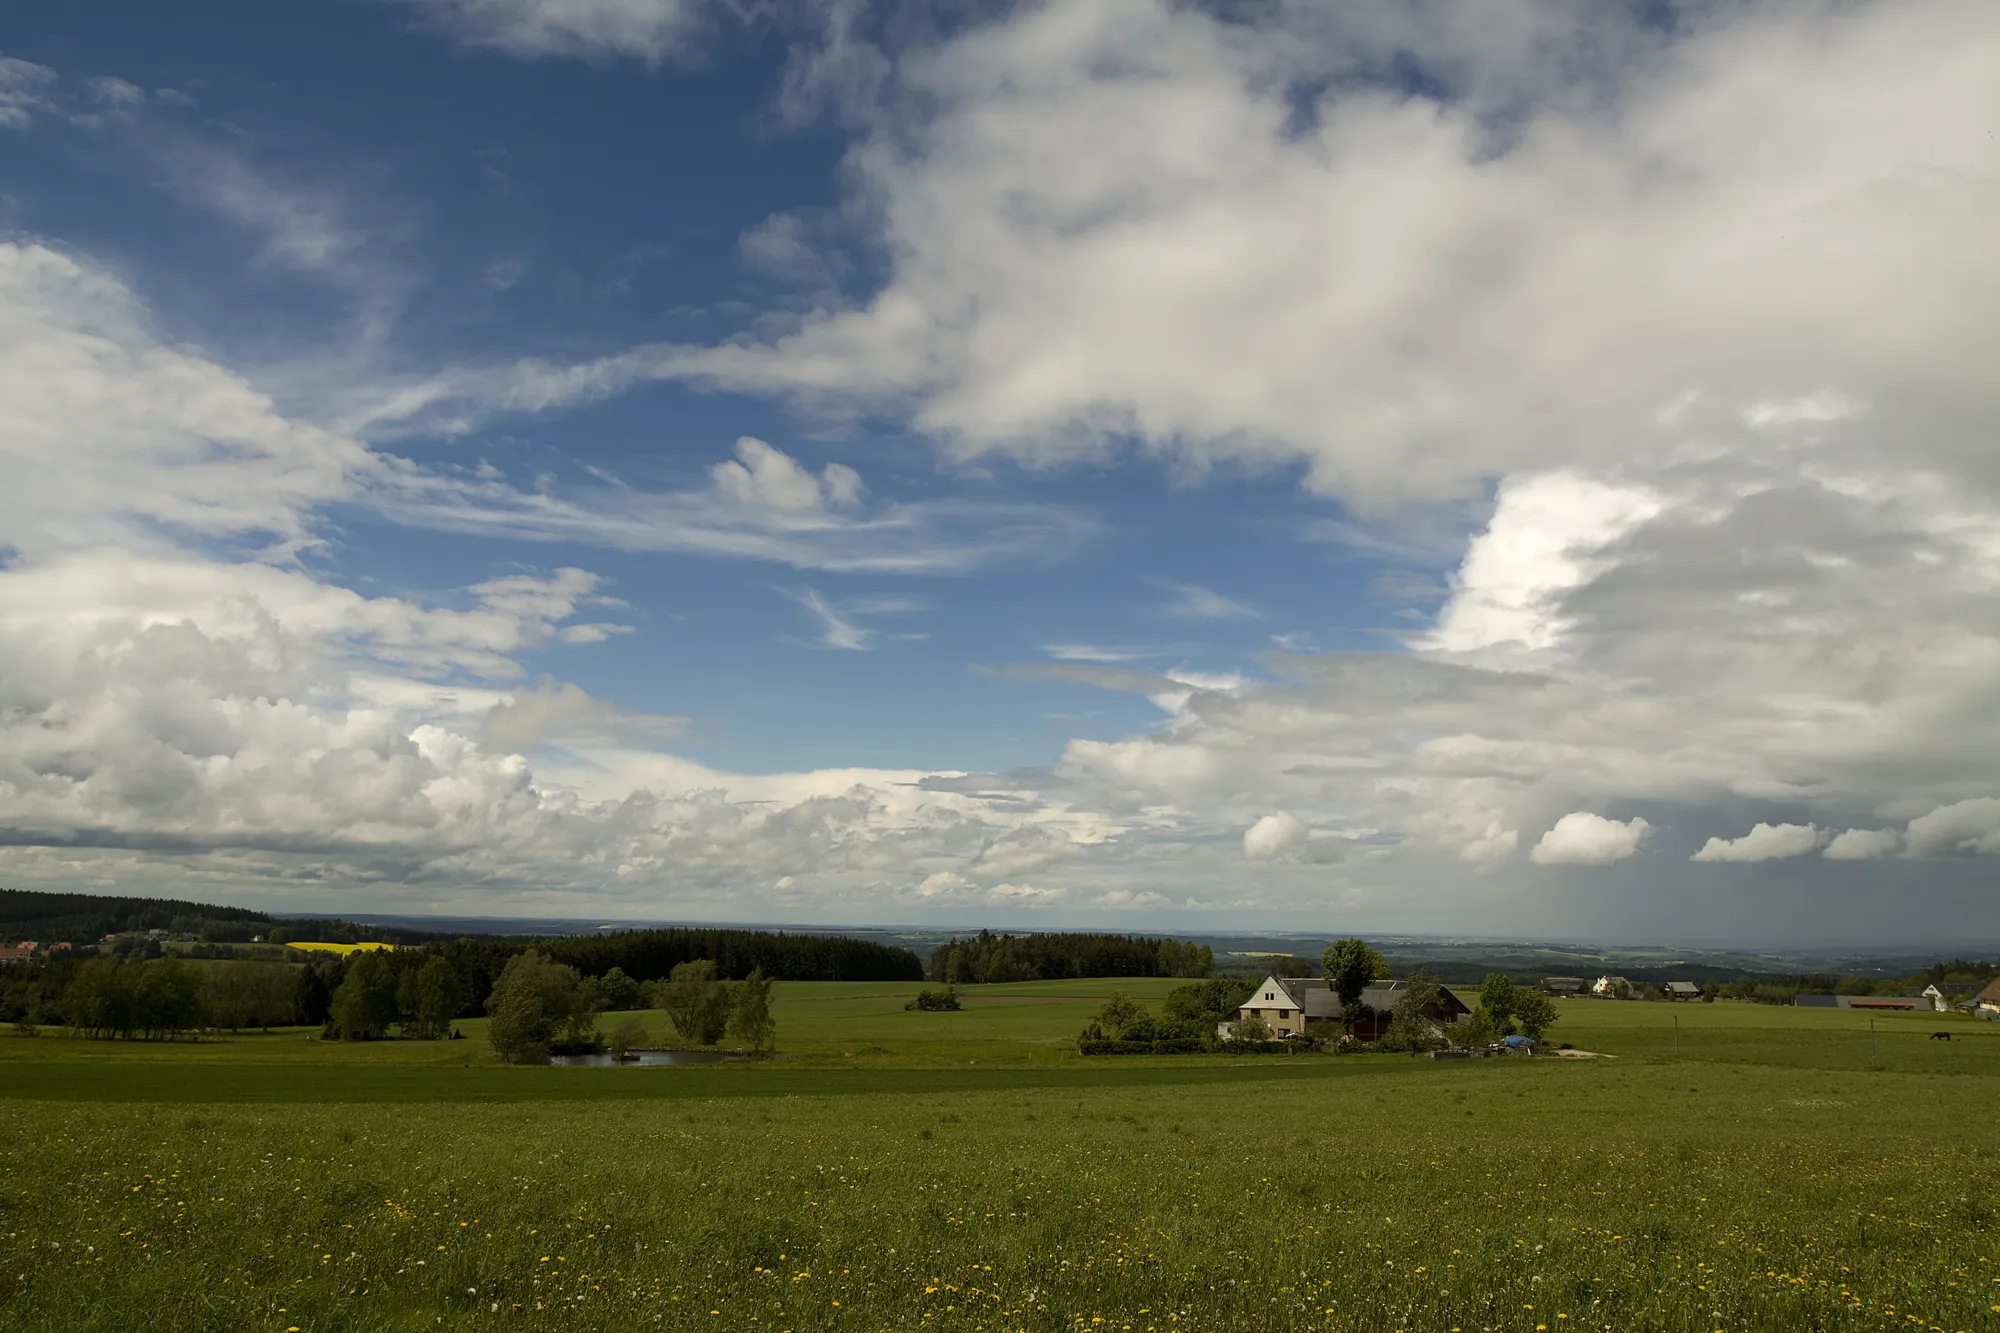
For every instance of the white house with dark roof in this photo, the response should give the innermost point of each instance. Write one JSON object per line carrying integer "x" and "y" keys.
{"x": 1307, "y": 1006}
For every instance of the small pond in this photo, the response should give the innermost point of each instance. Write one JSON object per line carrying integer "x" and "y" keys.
{"x": 639, "y": 1058}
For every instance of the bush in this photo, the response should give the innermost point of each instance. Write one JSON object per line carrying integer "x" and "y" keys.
{"x": 1250, "y": 1028}
{"x": 936, "y": 1001}
{"x": 628, "y": 1036}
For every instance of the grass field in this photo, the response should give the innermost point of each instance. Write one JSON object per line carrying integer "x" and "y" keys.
{"x": 1774, "y": 1176}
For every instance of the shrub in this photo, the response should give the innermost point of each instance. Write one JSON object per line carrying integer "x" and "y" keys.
{"x": 936, "y": 1001}
{"x": 1250, "y": 1028}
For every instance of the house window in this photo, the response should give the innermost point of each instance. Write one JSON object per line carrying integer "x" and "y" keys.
{"x": 1269, "y": 996}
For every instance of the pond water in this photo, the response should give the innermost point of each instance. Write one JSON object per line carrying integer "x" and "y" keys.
{"x": 640, "y": 1058}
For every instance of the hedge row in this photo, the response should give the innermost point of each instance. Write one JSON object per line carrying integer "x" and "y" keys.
{"x": 1167, "y": 1046}
{"x": 1190, "y": 1046}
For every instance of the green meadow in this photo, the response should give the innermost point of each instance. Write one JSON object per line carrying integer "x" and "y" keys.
{"x": 896, "y": 1170}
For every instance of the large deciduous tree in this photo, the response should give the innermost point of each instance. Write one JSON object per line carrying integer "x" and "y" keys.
{"x": 537, "y": 1004}
{"x": 1349, "y": 966}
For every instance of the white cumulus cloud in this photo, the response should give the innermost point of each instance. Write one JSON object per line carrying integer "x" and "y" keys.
{"x": 1764, "y": 842}
{"x": 1969, "y": 826}
{"x": 1584, "y": 839}
{"x": 1862, "y": 844}
{"x": 1274, "y": 836}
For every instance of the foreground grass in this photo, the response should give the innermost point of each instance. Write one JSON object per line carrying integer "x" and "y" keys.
{"x": 1373, "y": 1194}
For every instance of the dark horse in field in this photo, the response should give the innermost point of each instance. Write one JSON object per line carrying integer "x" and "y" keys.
{"x": 1940, "y": 1036}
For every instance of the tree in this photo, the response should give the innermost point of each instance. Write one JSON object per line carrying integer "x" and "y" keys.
{"x": 1499, "y": 1001}
{"x": 1349, "y": 966}
{"x": 364, "y": 1007}
{"x": 536, "y": 1005}
{"x": 1120, "y": 1012}
{"x": 1534, "y": 1011}
{"x": 101, "y": 1001}
{"x": 241, "y": 995}
{"x": 1411, "y": 1027}
{"x": 696, "y": 1003}
{"x": 750, "y": 1014}
{"x": 312, "y": 997}
{"x": 620, "y": 991}
{"x": 1206, "y": 1003}
{"x": 428, "y": 998}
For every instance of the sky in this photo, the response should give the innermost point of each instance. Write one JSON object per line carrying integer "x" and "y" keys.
{"x": 1490, "y": 468}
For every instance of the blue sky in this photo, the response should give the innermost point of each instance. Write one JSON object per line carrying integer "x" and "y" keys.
{"x": 1095, "y": 461}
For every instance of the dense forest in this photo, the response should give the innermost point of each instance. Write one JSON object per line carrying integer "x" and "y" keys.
{"x": 84, "y": 918}
{"x": 987, "y": 957}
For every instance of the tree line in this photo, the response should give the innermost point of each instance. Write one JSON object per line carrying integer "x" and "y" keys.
{"x": 652, "y": 955}
{"x": 541, "y": 1007}
{"x": 987, "y": 957}
{"x": 157, "y": 1000}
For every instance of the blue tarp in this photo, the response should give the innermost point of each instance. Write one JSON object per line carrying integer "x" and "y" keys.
{"x": 1519, "y": 1043}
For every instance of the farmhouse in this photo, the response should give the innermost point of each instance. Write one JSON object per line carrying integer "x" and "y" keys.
{"x": 1681, "y": 990}
{"x": 1307, "y": 1006}
{"x": 1612, "y": 988}
{"x": 1987, "y": 1003}
{"x": 1564, "y": 987}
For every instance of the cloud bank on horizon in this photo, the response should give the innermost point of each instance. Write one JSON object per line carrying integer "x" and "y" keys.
{"x": 1621, "y": 376}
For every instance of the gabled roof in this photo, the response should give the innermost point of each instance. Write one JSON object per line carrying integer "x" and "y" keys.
{"x": 1314, "y": 997}
{"x": 1991, "y": 995}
